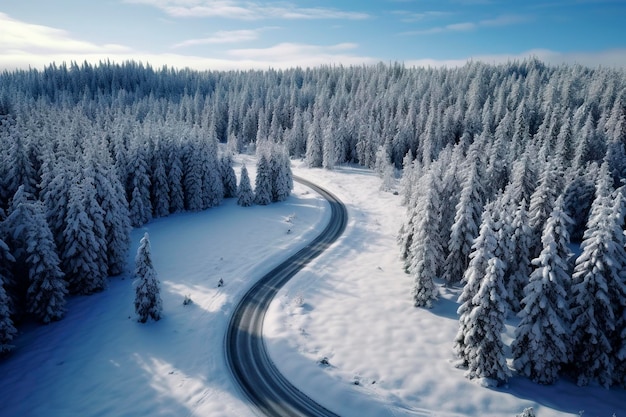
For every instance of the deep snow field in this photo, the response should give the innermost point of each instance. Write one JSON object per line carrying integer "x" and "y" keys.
{"x": 352, "y": 306}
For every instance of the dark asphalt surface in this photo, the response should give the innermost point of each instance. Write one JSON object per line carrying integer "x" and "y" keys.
{"x": 246, "y": 356}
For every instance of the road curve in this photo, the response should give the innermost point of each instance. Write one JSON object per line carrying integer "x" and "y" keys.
{"x": 246, "y": 356}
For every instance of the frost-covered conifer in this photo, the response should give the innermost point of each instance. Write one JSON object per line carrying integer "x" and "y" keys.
{"x": 229, "y": 179}
{"x": 518, "y": 265}
{"x": 245, "y": 194}
{"x": 160, "y": 191}
{"x": 175, "y": 178}
{"x": 148, "y": 302}
{"x": 483, "y": 250}
{"x": 140, "y": 205}
{"x": 7, "y": 329}
{"x": 314, "y": 145}
{"x": 281, "y": 174}
{"x": 485, "y": 323}
{"x": 263, "y": 182}
{"x": 35, "y": 254}
{"x": 541, "y": 204}
{"x": 212, "y": 185}
{"x": 192, "y": 178}
{"x": 599, "y": 290}
{"x": 465, "y": 227}
{"x": 426, "y": 251}
{"x": 541, "y": 344}
{"x": 81, "y": 257}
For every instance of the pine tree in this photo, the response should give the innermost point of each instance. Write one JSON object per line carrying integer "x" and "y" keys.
{"x": 80, "y": 259}
{"x": 598, "y": 290}
{"x": 35, "y": 254}
{"x": 281, "y": 174}
{"x": 541, "y": 344}
{"x": 485, "y": 349}
{"x": 212, "y": 186}
{"x": 229, "y": 179}
{"x": 7, "y": 329}
{"x": 110, "y": 197}
{"x": 314, "y": 145}
{"x": 192, "y": 178}
{"x": 175, "y": 179}
{"x": 519, "y": 264}
{"x": 245, "y": 194}
{"x": 160, "y": 190}
{"x": 263, "y": 182}
{"x": 483, "y": 250}
{"x": 465, "y": 227}
{"x": 426, "y": 252}
{"x": 541, "y": 204}
{"x": 139, "y": 204}
{"x": 148, "y": 302}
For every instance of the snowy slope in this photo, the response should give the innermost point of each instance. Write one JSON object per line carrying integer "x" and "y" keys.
{"x": 352, "y": 305}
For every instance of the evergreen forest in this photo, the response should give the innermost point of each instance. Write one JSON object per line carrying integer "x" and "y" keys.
{"x": 512, "y": 177}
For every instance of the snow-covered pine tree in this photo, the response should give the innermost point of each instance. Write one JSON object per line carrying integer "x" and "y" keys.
{"x": 111, "y": 197}
{"x": 82, "y": 247}
{"x": 542, "y": 202}
{"x": 212, "y": 186}
{"x": 519, "y": 264}
{"x": 484, "y": 325}
{"x": 483, "y": 250}
{"x": 7, "y": 329}
{"x": 192, "y": 177}
{"x": 140, "y": 205}
{"x": 229, "y": 179}
{"x": 314, "y": 145}
{"x": 160, "y": 187}
{"x": 35, "y": 254}
{"x": 466, "y": 221}
{"x": 579, "y": 194}
{"x": 329, "y": 157}
{"x": 281, "y": 174}
{"x": 618, "y": 300}
{"x": 148, "y": 302}
{"x": 426, "y": 251}
{"x": 598, "y": 290}
{"x": 263, "y": 182}
{"x": 175, "y": 177}
{"x": 245, "y": 194}
{"x": 541, "y": 344}
{"x": 410, "y": 173}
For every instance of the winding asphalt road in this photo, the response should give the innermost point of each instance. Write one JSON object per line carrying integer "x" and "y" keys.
{"x": 266, "y": 388}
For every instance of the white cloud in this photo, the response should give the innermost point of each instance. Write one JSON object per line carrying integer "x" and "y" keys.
{"x": 286, "y": 55}
{"x": 222, "y": 37}
{"x": 20, "y": 37}
{"x": 504, "y": 20}
{"x": 25, "y": 45}
{"x": 247, "y": 10}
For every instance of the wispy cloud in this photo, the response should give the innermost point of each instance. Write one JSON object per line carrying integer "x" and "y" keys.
{"x": 223, "y": 37}
{"x": 410, "y": 17}
{"x": 19, "y": 37}
{"x": 504, "y": 20}
{"x": 25, "y": 45}
{"x": 248, "y": 10}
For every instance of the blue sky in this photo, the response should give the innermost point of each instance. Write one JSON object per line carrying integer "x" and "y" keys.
{"x": 233, "y": 34}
